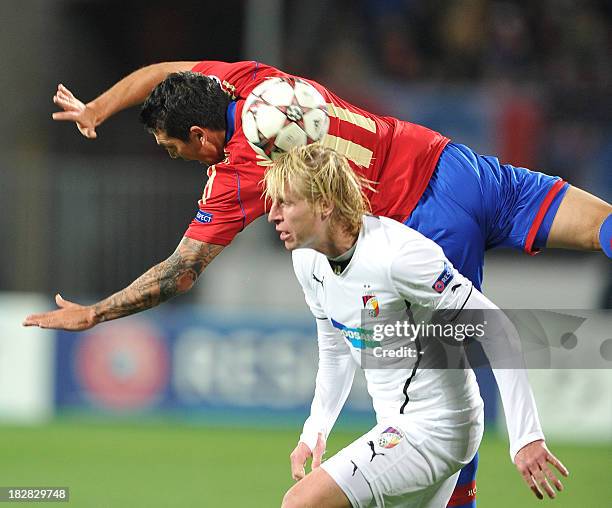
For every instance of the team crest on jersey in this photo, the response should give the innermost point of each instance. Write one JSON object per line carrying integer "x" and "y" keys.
{"x": 390, "y": 437}
{"x": 443, "y": 279}
{"x": 370, "y": 303}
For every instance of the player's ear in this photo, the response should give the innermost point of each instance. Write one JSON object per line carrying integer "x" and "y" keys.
{"x": 198, "y": 134}
{"x": 326, "y": 209}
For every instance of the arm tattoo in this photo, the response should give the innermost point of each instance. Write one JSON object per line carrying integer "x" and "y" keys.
{"x": 171, "y": 277}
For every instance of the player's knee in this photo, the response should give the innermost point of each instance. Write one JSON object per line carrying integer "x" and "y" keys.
{"x": 293, "y": 499}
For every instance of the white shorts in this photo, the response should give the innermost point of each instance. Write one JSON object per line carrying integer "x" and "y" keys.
{"x": 407, "y": 462}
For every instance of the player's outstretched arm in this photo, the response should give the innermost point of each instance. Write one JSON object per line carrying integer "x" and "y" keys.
{"x": 532, "y": 463}
{"x": 131, "y": 90}
{"x": 171, "y": 277}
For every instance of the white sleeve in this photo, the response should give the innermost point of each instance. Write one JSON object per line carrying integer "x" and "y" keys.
{"x": 520, "y": 409}
{"x": 333, "y": 384}
{"x": 421, "y": 274}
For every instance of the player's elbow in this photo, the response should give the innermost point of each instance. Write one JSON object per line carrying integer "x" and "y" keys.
{"x": 186, "y": 281}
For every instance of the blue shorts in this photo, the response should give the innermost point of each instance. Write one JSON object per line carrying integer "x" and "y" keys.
{"x": 474, "y": 203}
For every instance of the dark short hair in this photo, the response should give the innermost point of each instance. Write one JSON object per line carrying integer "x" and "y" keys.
{"x": 182, "y": 100}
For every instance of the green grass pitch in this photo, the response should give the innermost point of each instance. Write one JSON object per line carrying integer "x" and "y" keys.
{"x": 180, "y": 465}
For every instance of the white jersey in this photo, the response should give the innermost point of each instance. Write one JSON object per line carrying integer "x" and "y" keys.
{"x": 393, "y": 269}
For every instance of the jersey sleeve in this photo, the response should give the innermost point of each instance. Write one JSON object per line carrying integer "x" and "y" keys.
{"x": 221, "y": 213}
{"x": 333, "y": 384}
{"x": 237, "y": 78}
{"x": 302, "y": 265}
{"x": 503, "y": 348}
{"x": 336, "y": 366}
{"x": 421, "y": 274}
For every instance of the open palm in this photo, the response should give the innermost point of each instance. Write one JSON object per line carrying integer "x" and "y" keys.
{"x": 75, "y": 111}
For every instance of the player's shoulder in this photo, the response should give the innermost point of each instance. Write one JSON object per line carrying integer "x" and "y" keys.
{"x": 255, "y": 68}
{"x": 391, "y": 231}
{"x": 397, "y": 237}
{"x": 240, "y": 155}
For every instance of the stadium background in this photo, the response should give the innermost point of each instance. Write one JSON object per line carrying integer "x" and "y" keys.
{"x": 199, "y": 403}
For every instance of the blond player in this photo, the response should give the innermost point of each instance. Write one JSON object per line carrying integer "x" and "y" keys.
{"x": 429, "y": 421}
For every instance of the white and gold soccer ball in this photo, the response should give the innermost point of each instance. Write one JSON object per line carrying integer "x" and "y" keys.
{"x": 281, "y": 113}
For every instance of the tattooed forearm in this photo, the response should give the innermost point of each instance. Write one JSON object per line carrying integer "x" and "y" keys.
{"x": 171, "y": 277}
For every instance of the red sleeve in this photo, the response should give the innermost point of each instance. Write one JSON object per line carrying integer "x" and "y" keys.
{"x": 230, "y": 202}
{"x": 238, "y": 78}
{"x": 220, "y": 216}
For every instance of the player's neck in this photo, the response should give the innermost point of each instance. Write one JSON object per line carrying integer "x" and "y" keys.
{"x": 217, "y": 138}
{"x": 337, "y": 242}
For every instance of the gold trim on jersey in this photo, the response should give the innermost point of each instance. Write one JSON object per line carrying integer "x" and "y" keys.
{"x": 212, "y": 172}
{"x": 229, "y": 88}
{"x": 351, "y": 117}
{"x": 358, "y": 154}
{"x": 262, "y": 160}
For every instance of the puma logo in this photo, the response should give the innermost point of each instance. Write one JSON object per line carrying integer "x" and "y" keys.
{"x": 319, "y": 281}
{"x": 374, "y": 454}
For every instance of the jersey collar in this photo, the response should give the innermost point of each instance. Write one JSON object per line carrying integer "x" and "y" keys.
{"x": 357, "y": 248}
{"x": 230, "y": 116}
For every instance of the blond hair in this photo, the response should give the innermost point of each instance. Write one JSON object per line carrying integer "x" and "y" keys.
{"x": 320, "y": 176}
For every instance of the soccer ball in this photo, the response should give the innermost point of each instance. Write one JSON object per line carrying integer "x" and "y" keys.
{"x": 281, "y": 113}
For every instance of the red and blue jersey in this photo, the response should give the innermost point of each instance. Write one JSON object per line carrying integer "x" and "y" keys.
{"x": 399, "y": 156}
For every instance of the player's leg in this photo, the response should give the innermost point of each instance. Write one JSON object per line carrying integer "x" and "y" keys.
{"x": 464, "y": 492}
{"x": 578, "y": 222}
{"x": 316, "y": 489}
{"x": 529, "y": 210}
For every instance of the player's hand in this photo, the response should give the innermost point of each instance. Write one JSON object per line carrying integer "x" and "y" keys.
{"x": 532, "y": 463}
{"x": 300, "y": 455}
{"x": 69, "y": 316}
{"x": 75, "y": 111}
